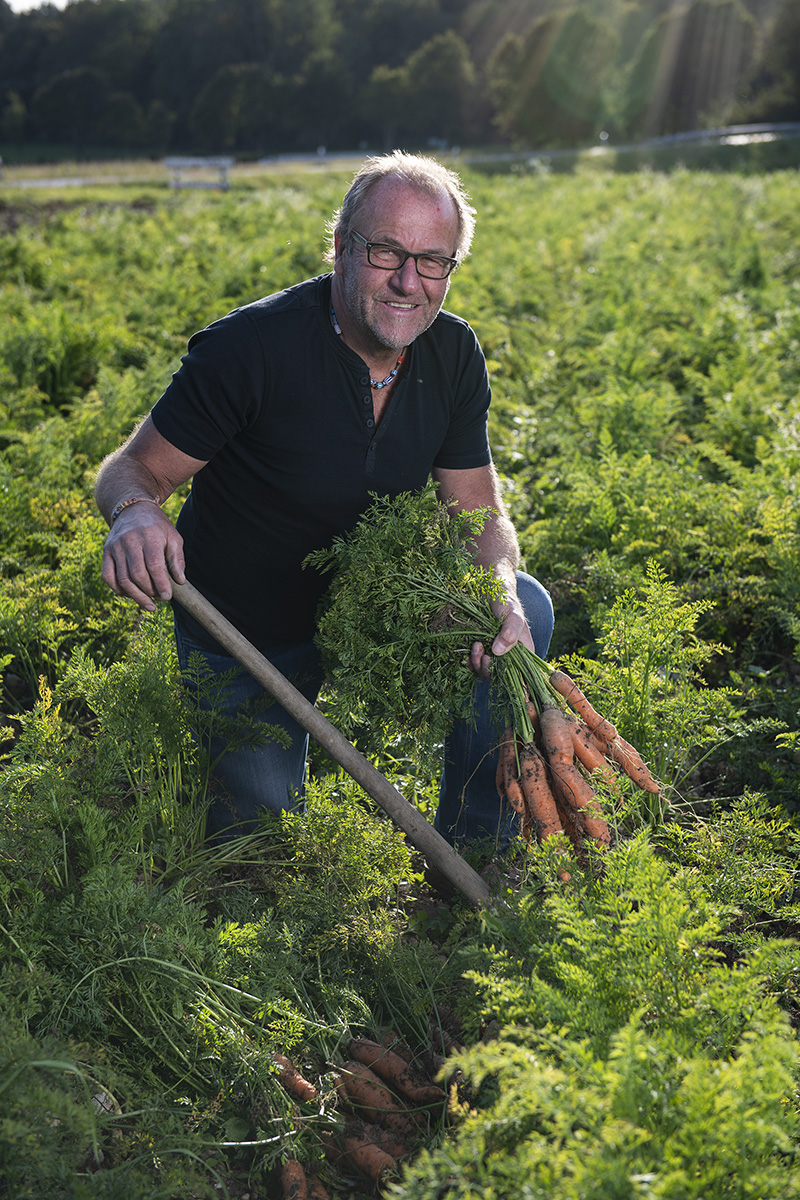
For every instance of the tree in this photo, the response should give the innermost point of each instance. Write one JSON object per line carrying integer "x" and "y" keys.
{"x": 692, "y": 67}
{"x": 385, "y": 32}
{"x": 267, "y": 113}
{"x": 123, "y": 122}
{"x": 777, "y": 90}
{"x": 159, "y": 123}
{"x": 325, "y": 111}
{"x": 548, "y": 86}
{"x": 69, "y": 108}
{"x": 214, "y": 118}
{"x": 12, "y": 118}
{"x": 440, "y": 79}
{"x": 384, "y": 102}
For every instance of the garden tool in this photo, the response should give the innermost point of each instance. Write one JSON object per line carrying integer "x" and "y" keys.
{"x": 439, "y": 853}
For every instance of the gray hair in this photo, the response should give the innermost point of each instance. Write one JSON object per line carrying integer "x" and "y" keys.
{"x": 425, "y": 174}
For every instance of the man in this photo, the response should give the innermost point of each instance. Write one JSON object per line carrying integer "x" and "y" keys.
{"x": 287, "y": 414}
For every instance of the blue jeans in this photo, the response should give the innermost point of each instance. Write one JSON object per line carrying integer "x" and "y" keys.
{"x": 469, "y": 807}
{"x": 265, "y": 773}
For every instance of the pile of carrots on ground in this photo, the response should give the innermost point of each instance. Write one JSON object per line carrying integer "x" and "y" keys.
{"x": 548, "y": 781}
{"x": 386, "y": 1102}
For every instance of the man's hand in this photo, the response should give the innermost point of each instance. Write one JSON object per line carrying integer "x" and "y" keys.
{"x": 143, "y": 554}
{"x": 514, "y": 629}
{"x": 497, "y": 548}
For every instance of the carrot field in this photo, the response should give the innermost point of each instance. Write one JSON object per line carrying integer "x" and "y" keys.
{"x": 630, "y": 1032}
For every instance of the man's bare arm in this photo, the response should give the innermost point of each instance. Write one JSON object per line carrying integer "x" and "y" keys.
{"x": 498, "y": 549}
{"x": 143, "y": 552}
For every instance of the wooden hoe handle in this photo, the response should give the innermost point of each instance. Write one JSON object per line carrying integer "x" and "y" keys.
{"x": 420, "y": 832}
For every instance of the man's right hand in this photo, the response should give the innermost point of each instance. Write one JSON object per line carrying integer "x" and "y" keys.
{"x": 143, "y": 554}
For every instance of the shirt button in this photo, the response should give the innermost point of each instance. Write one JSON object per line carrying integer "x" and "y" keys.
{"x": 364, "y": 380}
{"x": 366, "y": 399}
{"x": 370, "y": 422}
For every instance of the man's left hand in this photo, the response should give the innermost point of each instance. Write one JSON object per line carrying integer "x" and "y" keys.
{"x": 514, "y": 629}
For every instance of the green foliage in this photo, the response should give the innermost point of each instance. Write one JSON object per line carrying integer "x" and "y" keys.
{"x": 256, "y": 78}
{"x": 406, "y": 602}
{"x": 747, "y": 857}
{"x": 637, "y": 940}
{"x": 650, "y": 674}
{"x": 643, "y": 334}
{"x": 630, "y": 1059}
{"x": 183, "y": 968}
{"x": 404, "y": 605}
{"x": 643, "y": 1122}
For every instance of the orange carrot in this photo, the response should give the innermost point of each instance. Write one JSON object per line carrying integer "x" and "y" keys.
{"x": 389, "y": 1142}
{"x": 316, "y": 1190}
{"x": 292, "y": 1081}
{"x": 515, "y": 795}
{"x": 573, "y": 695}
{"x": 367, "y": 1156}
{"x": 541, "y": 806}
{"x": 508, "y": 784}
{"x": 395, "y": 1071}
{"x": 393, "y": 1041}
{"x": 632, "y": 764}
{"x": 589, "y": 753}
{"x": 568, "y": 782}
{"x": 449, "y": 1044}
{"x": 293, "y": 1181}
{"x": 572, "y": 823}
{"x": 539, "y": 798}
{"x": 502, "y": 760}
{"x": 372, "y": 1100}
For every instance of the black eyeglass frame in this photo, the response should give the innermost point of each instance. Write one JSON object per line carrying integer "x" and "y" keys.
{"x": 445, "y": 259}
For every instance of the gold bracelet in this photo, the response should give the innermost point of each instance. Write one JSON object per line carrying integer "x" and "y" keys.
{"x": 133, "y": 500}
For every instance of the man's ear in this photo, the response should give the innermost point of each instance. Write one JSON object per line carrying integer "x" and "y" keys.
{"x": 338, "y": 253}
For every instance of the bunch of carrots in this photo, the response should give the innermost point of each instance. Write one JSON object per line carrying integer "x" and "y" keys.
{"x": 386, "y": 1101}
{"x": 547, "y": 778}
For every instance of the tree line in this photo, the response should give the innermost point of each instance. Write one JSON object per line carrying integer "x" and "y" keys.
{"x": 258, "y": 77}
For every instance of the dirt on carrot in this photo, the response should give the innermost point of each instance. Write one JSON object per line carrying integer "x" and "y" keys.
{"x": 396, "y": 1072}
{"x": 294, "y": 1185}
{"x": 292, "y": 1081}
{"x": 575, "y": 698}
{"x": 362, "y": 1090}
{"x": 366, "y": 1155}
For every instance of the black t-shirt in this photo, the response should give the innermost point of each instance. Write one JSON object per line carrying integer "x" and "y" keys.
{"x": 281, "y": 408}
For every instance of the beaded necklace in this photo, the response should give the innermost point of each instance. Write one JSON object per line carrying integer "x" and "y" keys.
{"x": 373, "y": 382}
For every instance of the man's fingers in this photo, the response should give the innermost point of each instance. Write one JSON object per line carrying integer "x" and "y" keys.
{"x": 137, "y": 581}
{"x": 176, "y": 563}
{"x": 121, "y": 583}
{"x": 514, "y": 629}
{"x": 480, "y": 661}
{"x": 142, "y": 560}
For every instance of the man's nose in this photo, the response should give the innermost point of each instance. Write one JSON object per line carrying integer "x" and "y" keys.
{"x": 406, "y": 276}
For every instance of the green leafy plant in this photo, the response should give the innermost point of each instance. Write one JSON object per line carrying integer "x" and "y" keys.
{"x": 650, "y": 675}
{"x": 644, "y": 360}
{"x": 628, "y": 1057}
{"x": 405, "y": 603}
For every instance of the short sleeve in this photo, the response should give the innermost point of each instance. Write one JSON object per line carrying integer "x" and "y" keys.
{"x": 218, "y": 389}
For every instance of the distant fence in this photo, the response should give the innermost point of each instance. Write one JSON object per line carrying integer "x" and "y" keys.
{"x": 193, "y": 172}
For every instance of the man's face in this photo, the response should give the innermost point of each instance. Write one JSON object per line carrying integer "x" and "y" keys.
{"x": 391, "y": 308}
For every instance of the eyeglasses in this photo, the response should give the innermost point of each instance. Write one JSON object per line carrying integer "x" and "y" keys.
{"x": 392, "y": 258}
